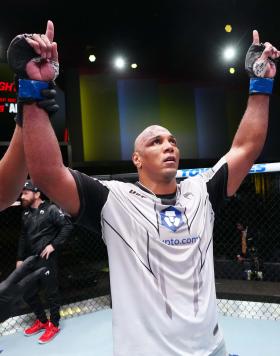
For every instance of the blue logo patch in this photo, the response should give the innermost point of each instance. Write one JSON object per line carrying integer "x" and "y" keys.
{"x": 171, "y": 218}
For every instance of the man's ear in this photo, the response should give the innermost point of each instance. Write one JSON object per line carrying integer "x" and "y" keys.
{"x": 136, "y": 159}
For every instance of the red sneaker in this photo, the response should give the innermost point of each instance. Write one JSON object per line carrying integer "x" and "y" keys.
{"x": 35, "y": 328}
{"x": 49, "y": 334}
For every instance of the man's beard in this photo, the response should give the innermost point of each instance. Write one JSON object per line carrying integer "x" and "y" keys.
{"x": 27, "y": 203}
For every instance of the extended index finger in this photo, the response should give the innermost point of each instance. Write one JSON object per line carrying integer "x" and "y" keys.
{"x": 50, "y": 30}
{"x": 256, "y": 37}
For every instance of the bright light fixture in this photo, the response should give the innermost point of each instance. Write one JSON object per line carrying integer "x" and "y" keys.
{"x": 228, "y": 28}
{"x": 92, "y": 58}
{"x": 119, "y": 63}
{"x": 229, "y": 53}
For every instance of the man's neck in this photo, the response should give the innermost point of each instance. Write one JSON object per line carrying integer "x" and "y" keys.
{"x": 36, "y": 204}
{"x": 159, "y": 188}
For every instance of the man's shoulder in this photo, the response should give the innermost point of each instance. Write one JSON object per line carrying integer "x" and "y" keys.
{"x": 53, "y": 207}
{"x": 46, "y": 205}
{"x": 117, "y": 185}
{"x": 192, "y": 181}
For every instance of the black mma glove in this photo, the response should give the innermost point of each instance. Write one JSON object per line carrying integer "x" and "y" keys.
{"x": 256, "y": 69}
{"x": 19, "y": 53}
{"x": 18, "y": 283}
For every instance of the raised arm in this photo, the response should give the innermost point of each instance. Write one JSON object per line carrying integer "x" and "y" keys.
{"x": 44, "y": 160}
{"x": 43, "y": 155}
{"x": 13, "y": 171}
{"x": 251, "y": 134}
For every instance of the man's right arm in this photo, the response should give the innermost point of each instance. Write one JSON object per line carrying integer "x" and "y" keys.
{"x": 44, "y": 160}
{"x": 43, "y": 156}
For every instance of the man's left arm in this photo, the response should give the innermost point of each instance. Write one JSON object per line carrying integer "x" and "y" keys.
{"x": 251, "y": 134}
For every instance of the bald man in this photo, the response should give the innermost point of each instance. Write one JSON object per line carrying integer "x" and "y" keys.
{"x": 158, "y": 232}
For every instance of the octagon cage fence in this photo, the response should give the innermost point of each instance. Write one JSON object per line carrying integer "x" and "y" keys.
{"x": 246, "y": 254}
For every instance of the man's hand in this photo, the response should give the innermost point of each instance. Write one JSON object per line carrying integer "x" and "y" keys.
{"x": 260, "y": 58}
{"x": 34, "y": 56}
{"x": 43, "y": 45}
{"x": 47, "y": 251}
{"x": 16, "y": 285}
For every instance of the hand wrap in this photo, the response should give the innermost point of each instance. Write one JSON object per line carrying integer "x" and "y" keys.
{"x": 256, "y": 69}
{"x": 43, "y": 93}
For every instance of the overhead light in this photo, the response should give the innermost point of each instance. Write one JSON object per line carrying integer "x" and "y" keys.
{"x": 231, "y": 70}
{"x": 92, "y": 58}
{"x": 229, "y": 53}
{"x": 134, "y": 65}
{"x": 228, "y": 28}
{"x": 119, "y": 63}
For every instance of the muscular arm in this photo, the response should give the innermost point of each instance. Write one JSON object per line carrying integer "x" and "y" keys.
{"x": 248, "y": 141}
{"x": 251, "y": 134}
{"x": 13, "y": 171}
{"x": 44, "y": 160}
{"x": 43, "y": 156}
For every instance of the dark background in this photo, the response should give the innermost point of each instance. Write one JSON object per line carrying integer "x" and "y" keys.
{"x": 169, "y": 40}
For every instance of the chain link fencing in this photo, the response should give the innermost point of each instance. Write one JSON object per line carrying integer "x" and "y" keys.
{"x": 82, "y": 265}
{"x": 247, "y": 258}
{"x": 247, "y": 249}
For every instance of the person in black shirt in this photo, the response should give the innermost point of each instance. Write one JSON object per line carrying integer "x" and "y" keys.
{"x": 44, "y": 229}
